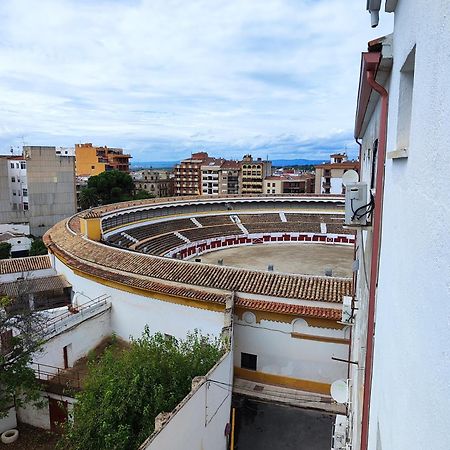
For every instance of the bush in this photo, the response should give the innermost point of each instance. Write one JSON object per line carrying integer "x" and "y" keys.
{"x": 38, "y": 248}
{"x": 125, "y": 391}
{"x": 5, "y": 250}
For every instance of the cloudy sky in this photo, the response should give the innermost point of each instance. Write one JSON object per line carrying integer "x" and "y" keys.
{"x": 162, "y": 78}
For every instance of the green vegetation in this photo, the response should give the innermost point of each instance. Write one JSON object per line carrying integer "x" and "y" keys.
{"x": 109, "y": 187}
{"x": 17, "y": 380}
{"x": 5, "y": 250}
{"x": 38, "y": 248}
{"x": 125, "y": 391}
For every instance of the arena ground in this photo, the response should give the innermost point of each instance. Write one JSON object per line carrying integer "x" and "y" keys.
{"x": 309, "y": 259}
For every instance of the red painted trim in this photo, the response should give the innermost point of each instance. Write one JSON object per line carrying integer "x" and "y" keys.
{"x": 376, "y": 242}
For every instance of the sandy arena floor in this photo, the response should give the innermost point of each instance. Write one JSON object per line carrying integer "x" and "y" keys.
{"x": 310, "y": 259}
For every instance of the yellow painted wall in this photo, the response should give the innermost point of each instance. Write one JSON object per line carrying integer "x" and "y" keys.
{"x": 91, "y": 228}
{"x": 86, "y": 161}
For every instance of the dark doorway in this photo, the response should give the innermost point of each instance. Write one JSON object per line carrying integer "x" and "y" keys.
{"x": 66, "y": 357}
{"x": 248, "y": 361}
{"x": 58, "y": 413}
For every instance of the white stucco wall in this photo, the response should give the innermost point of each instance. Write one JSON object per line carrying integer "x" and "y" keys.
{"x": 9, "y": 421}
{"x": 409, "y": 403}
{"x": 279, "y": 353}
{"x": 130, "y": 313}
{"x": 200, "y": 422}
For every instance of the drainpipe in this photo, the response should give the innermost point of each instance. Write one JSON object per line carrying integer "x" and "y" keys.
{"x": 375, "y": 256}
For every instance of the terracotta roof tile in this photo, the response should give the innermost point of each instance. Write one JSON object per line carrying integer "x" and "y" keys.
{"x": 16, "y": 265}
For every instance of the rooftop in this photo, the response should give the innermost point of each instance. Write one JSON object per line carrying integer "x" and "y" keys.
{"x": 27, "y": 264}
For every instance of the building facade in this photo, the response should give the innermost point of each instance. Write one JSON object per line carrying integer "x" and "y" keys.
{"x": 253, "y": 174}
{"x": 159, "y": 183}
{"x": 92, "y": 160}
{"x": 400, "y": 362}
{"x": 329, "y": 175}
{"x": 37, "y": 188}
{"x": 188, "y": 175}
{"x": 294, "y": 183}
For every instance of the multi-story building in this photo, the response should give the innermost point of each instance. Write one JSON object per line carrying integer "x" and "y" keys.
{"x": 230, "y": 178}
{"x": 159, "y": 183}
{"x": 220, "y": 176}
{"x": 92, "y": 160}
{"x": 37, "y": 187}
{"x": 399, "y": 365}
{"x": 329, "y": 175}
{"x": 289, "y": 183}
{"x": 188, "y": 175}
{"x": 253, "y": 174}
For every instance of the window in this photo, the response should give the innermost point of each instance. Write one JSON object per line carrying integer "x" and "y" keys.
{"x": 23, "y": 165}
{"x": 405, "y": 101}
{"x": 14, "y": 192}
{"x": 92, "y": 167}
{"x": 12, "y": 165}
{"x": 248, "y": 361}
{"x": 25, "y": 192}
{"x": 25, "y": 206}
{"x": 13, "y": 179}
{"x": 17, "y": 165}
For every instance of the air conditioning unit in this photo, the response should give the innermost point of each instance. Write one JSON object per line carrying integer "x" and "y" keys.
{"x": 357, "y": 207}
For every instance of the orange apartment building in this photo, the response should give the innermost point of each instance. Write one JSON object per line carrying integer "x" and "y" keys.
{"x": 91, "y": 160}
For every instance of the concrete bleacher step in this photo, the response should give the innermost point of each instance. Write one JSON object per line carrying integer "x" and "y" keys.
{"x": 243, "y": 229}
{"x": 282, "y": 216}
{"x": 184, "y": 238}
{"x": 196, "y": 222}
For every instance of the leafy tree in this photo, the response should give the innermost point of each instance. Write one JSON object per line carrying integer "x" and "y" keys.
{"x": 22, "y": 332}
{"x": 112, "y": 186}
{"x": 125, "y": 391}
{"x": 38, "y": 248}
{"x": 5, "y": 250}
{"x": 142, "y": 195}
{"x": 88, "y": 198}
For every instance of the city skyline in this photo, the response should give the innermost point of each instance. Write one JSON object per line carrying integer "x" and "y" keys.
{"x": 275, "y": 79}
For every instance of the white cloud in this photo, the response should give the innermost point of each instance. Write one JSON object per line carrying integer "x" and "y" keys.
{"x": 160, "y": 77}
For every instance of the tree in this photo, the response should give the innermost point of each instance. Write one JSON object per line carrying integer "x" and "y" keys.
{"x": 125, "y": 391}
{"x": 112, "y": 186}
{"x": 38, "y": 248}
{"x": 21, "y": 332}
{"x": 142, "y": 195}
{"x": 5, "y": 250}
{"x": 88, "y": 198}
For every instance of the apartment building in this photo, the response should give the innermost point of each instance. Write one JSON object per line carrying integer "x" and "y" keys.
{"x": 290, "y": 183}
{"x": 253, "y": 174}
{"x": 329, "y": 175}
{"x": 37, "y": 188}
{"x": 188, "y": 175}
{"x": 92, "y": 160}
{"x": 220, "y": 176}
{"x": 159, "y": 183}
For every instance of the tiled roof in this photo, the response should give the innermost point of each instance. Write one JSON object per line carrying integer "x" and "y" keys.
{"x": 287, "y": 308}
{"x": 27, "y": 264}
{"x": 89, "y": 255}
{"x": 34, "y": 285}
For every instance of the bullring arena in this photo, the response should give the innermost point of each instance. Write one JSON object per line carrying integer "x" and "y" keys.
{"x": 267, "y": 275}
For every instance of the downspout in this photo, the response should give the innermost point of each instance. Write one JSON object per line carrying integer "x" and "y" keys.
{"x": 375, "y": 256}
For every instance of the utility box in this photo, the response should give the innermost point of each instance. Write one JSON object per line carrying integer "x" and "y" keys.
{"x": 356, "y": 204}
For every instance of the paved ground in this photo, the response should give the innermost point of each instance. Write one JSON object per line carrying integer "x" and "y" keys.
{"x": 310, "y": 259}
{"x": 265, "y": 426}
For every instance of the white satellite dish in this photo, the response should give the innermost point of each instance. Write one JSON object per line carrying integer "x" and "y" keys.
{"x": 339, "y": 391}
{"x": 351, "y": 176}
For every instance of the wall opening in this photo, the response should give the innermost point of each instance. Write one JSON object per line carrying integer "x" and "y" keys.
{"x": 248, "y": 361}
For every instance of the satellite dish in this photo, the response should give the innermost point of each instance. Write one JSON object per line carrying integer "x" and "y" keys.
{"x": 351, "y": 176}
{"x": 339, "y": 391}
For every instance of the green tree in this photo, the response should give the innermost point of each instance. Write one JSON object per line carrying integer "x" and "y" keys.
{"x": 112, "y": 186}
{"x": 142, "y": 195}
{"x": 125, "y": 391}
{"x": 88, "y": 198}
{"x": 38, "y": 248}
{"x": 18, "y": 384}
{"x": 5, "y": 250}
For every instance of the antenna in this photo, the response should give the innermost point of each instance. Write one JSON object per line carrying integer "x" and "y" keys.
{"x": 339, "y": 391}
{"x": 351, "y": 176}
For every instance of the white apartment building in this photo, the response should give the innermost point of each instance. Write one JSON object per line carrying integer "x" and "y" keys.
{"x": 18, "y": 185}
{"x": 399, "y": 365}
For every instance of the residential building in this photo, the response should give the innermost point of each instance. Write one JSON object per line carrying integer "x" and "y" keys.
{"x": 92, "y": 160}
{"x": 230, "y": 178}
{"x": 253, "y": 174}
{"x": 159, "y": 183}
{"x": 399, "y": 361}
{"x": 18, "y": 236}
{"x": 188, "y": 175}
{"x": 220, "y": 177}
{"x": 329, "y": 175}
{"x": 290, "y": 183}
{"x": 37, "y": 188}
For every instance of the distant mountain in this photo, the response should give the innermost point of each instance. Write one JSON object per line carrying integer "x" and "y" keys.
{"x": 275, "y": 162}
{"x": 296, "y": 162}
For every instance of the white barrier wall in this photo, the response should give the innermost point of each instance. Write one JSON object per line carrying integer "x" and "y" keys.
{"x": 199, "y": 421}
{"x": 281, "y": 351}
{"x": 130, "y": 313}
